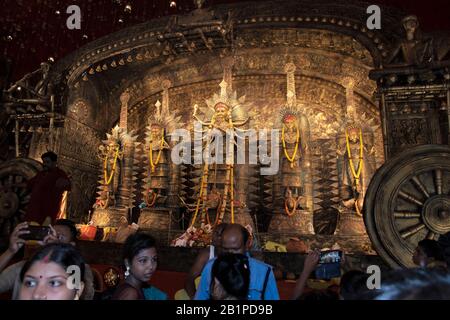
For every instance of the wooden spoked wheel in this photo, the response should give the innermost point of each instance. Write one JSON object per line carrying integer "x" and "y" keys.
{"x": 14, "y": 196}
{"x": 408, "y": 200}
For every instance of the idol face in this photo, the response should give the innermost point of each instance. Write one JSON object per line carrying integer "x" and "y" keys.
{"x": 353, "y": 135}
{"x": 221, "y": 110}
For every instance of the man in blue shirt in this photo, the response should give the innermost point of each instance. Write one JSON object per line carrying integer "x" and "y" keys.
{"x": 262, "y": 281}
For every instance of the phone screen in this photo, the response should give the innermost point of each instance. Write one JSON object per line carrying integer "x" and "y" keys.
{"x": 333, "y": 256}
{"x": 329, "y": 265}
{"x": 36, "y": 233}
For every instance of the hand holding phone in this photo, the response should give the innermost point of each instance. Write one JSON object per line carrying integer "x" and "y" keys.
{"x": 15, "y": 239}
{"x": 329, "y": 265}
{"x": 36, "y": 233}
{"x": 311, "y": 261}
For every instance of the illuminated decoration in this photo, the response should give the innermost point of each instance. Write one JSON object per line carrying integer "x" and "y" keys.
{"x": 326, "y": 45}
{"x": 111, "y": 277}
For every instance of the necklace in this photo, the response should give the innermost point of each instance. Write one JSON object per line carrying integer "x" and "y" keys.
{"x": 105, "y": 167}
{"x": 153, "y": 164}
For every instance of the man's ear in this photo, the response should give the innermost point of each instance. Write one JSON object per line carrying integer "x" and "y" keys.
{"x": 249, "y": 243}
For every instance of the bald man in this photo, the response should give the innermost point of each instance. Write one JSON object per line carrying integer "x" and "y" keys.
{"x": 203, "y": 257}
{"x": 235, "y": 239}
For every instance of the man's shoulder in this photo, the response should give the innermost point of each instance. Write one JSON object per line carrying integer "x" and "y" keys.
{"x": 258, "y": 263}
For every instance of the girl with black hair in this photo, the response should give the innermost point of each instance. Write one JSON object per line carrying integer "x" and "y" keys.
{"x": 140, "y": 259}
{"x": 231, "y": 277}
{"x": 55, "y": 272}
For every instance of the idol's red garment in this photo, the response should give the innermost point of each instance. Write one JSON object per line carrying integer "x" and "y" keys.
{"x": 45, "y": 195}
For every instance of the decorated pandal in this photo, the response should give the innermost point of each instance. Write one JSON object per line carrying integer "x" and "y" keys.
{"x": 213, "y": 192}
{"x": 206, "y": 194}
{"x": 323, "y": 99}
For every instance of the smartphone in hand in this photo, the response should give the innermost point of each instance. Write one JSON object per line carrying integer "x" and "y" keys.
{"x": 36, "y": 233}
{"x": 329, "y": 265}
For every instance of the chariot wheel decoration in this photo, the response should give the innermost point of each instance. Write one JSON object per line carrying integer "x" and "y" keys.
{"x": 408, "y": 200}
{"x": 14, "y": 196}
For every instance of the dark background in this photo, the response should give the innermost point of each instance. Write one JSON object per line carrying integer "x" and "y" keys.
{"x": 34, "y": 31}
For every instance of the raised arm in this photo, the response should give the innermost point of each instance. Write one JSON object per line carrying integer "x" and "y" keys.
{"x": 311, "y": 261}
{"x": 15, "y": 243}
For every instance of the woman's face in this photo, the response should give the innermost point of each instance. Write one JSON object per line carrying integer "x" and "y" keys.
{"x": 47, "y": 281}
{"x": 144, "y": 264}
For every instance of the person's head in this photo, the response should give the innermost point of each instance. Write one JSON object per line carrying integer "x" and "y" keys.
{"x": 55, "y": 272}
{"x": 230, "y": 277}
{"x": 49, "y": 160}
{"x": 216, "y": 239}
{"x": 234, "y": 239}
{"x": 140, "y": 256}
{"x": 415, "y": 284}
{"x": 66, "y": 231}
{"x": 353, "y": 284}
{"x": 426, "y": 252}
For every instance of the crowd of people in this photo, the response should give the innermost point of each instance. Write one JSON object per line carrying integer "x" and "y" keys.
{"x": 223, "y": 271}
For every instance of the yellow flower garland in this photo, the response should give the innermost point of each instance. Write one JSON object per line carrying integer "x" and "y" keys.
{"x": 290, "y": 213}
{"x": 356, "y": 174}
{"x": 202, "y": 185}
{"x": 105, "y": 167}
{"x": 297, "y": 142}
{"x": 150, "y": 203}
{"x": 158, "y": 157}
